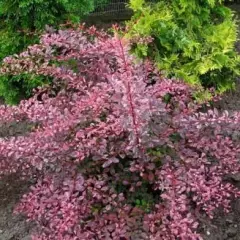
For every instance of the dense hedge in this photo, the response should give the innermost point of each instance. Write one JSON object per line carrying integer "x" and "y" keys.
{"x": 188, "y": 39}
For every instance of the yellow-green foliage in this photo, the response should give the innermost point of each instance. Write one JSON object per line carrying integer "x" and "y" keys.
{"x": 192, "y": 39}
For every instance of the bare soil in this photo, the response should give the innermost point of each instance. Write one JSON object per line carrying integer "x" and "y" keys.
{"x": 12, "y": 227}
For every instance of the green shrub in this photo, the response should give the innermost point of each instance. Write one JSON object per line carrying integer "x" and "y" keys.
{"x": 20, "y": 23}
{"x": 192, "y": 40}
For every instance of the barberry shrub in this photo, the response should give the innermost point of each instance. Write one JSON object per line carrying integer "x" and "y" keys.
{"x": 118, "y": 151}
{"x": 187, "y": 39}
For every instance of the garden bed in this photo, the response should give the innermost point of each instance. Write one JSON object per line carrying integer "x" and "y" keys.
{"x": 223, "y": 227}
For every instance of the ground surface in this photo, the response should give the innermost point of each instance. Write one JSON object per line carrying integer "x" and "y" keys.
{"x": 12, "y": 227}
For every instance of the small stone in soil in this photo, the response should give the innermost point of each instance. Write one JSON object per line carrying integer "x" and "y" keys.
{"x": 231, "y": 232}
{"x": 229, "y": 221}
{"x": 236, "y": 177}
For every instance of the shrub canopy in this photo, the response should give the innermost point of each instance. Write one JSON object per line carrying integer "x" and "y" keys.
{"x": 115, "y": 156}
{"x": 190, "y": 40}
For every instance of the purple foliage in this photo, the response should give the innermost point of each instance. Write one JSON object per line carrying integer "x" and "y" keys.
{"x": 103, "y": 134}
